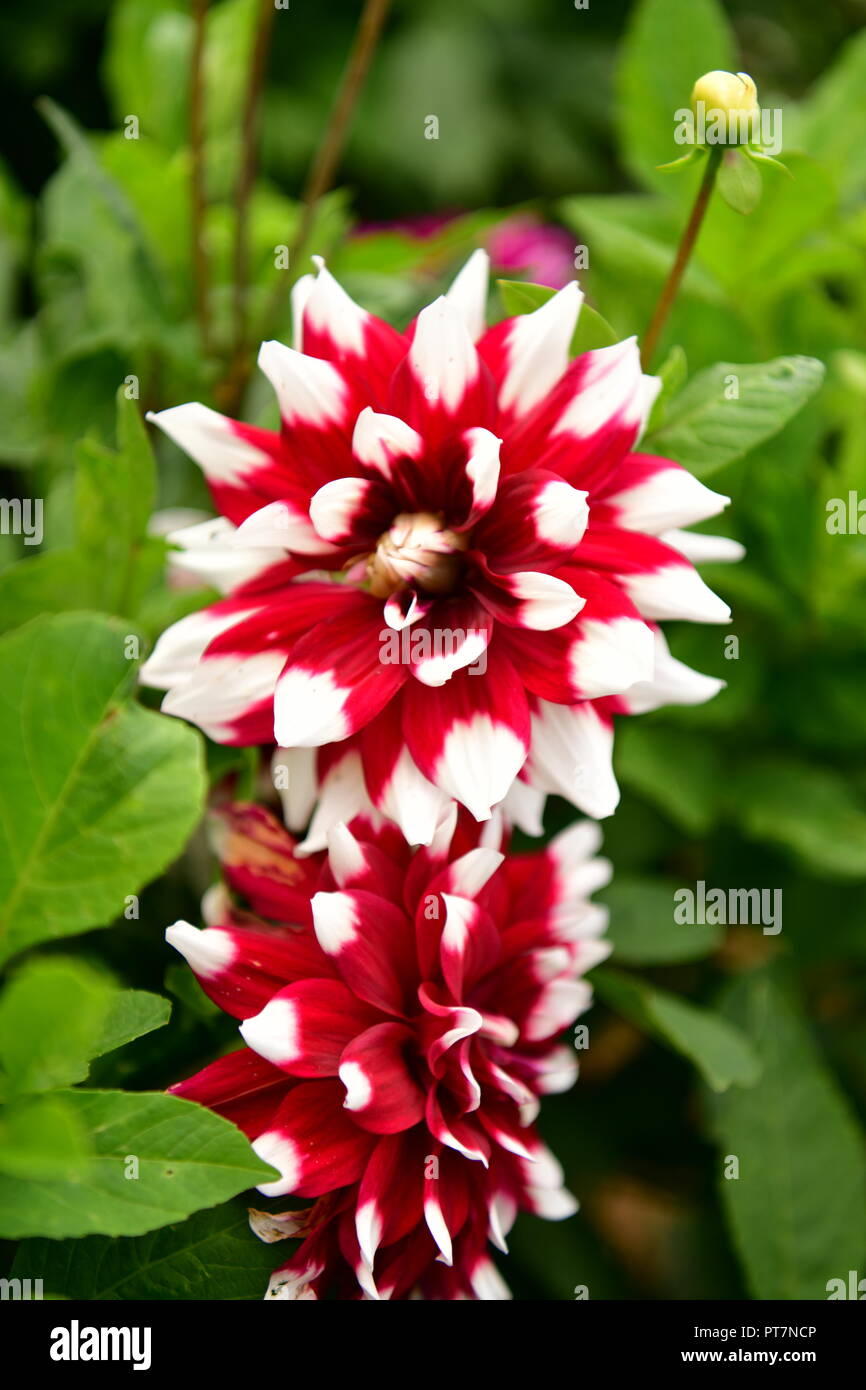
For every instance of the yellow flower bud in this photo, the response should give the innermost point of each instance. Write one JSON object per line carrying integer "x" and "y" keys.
{"x": 725, "y": 105}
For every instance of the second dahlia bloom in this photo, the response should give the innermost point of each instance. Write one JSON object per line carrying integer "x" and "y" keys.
{"x": 401, "y": 1012}
{"x": 441, "y": 563}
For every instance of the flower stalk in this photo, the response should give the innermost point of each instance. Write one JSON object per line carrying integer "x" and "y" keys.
{"x": 683, "y": 256}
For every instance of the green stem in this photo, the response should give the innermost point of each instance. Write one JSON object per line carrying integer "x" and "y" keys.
{"x": 197, "y": 179}
{"x": 684, "y": 251}
{"x": 247, "y": 171}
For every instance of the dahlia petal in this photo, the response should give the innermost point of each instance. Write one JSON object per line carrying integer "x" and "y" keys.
{"x": 440, "y": 383}
{"x": 284, "y": 524}
{"x": 559, "y": 1004}
{"x": 335, "y": 682}
{"x": 334, "y": 327}
{"x": 590, "y": 420}
{"x": 381, "y": 440}
{"x": 537, "y": 522}
{"x": 309, "y": 390}
{"x": 453, "y": 636}
{"x": 530, "y": 599}
{"x": 293, "y": 772}
{"x": 467, "y": 295}
{"x": 241, "y": 1087}
{"x": 304, "y": 1028}
{"x": 676, "y": 591}
{"x": 704, "y": 550}
{"x": 473, "y": 741}
{"x": 488, "y": 1284}
{"x": 482, "y": 471}
{"x": 381, "y": 1093}
{"x": 342, "y": 797}
{"x": 672, "y": 683}
{"x": 610, "y": 652}
{"x": 178, "y": 650}
{"x": 350, "y": 509}
{"x": 571, "y": 756}
{"x": 370, "y": 941}
{"x": 230, "y": 700}
{"x": 653, "y": 494}
{"x": 469, "y": 945}
{"x": 244, "y": 467}
{"x": 312, "y": 1143}
{"x": 528, "y": 354}
{"x": 210, "y": 552}
{"x": 397, "y": 787}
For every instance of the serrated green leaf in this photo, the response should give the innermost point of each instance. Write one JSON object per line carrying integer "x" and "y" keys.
{"x": 720, "y": 1051}
{"x": 212, "y": 1255}
{"x": 98, "y": 795}
{"x": 728, "y": 409}
{"x": 157, "y": 1159}
{"x": 796, "y": 1208}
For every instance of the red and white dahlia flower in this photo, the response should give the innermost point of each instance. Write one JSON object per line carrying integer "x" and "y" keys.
{"x": 445, "y": 570}
{"x": 399, "y": 1031}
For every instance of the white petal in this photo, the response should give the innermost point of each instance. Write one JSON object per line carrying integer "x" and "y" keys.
{"x": 537, "y": 350}
{"x": 608, "y": 656}
{"x": 468, "y": 293}
{"x": 307, "y": 388}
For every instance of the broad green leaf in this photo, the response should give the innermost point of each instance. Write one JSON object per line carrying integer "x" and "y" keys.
{"x": 147, "y": 65}
{"x": 676, "y": 771}
{"x": 520, "y": 297}
{"x": 831, "y": 124}
{"x": 185, "y": 1158}
{"x": 212, "y": 1255}
{"x": 720, "y": 1051}
{"x": 98, "y": 795}
{"x": 131, "y": 1014}
{"x": 753, "y": 255}
{"x": 808, "y": 810}
{"x": 41, "y": 1139}
{"x": 796, "y": 1208}
{"x": 51, "y": 1016}
{"x": 642, "y": 926}
{"x": 728, "y": 409}
{"x": 667, "y": 47}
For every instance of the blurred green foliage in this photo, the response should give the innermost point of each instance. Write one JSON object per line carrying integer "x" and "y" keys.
{"x": 706, "y": 1042}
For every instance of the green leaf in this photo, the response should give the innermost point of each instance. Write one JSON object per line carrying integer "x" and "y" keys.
{"x": 739, "y": 182}
{"x": 808, "y": 810}
{"x": 592, "y": 331}
{"x": 676, "y": 771}
{"x": 41, "y": 1140}
{"x": 720, "y": 1051}
{"x": 708, "y": 425}
{"x": 98, "y": 795}
{"x": 213, "y": 1255}
{"x": 796, "y": 1210}
{"x": 51, "y": 1016}
{"x": 831, "y": 124}
{"x": 642, "y": 926}
{"x": 668, "y": 46}
{"x": 185, "y": 1156}
{"x": 131, "y": 1014}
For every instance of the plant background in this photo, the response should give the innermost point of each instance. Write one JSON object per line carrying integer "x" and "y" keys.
{"x": 704, "y": 1042}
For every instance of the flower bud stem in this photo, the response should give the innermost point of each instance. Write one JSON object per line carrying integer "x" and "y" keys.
{"x": 684, "y": 251}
